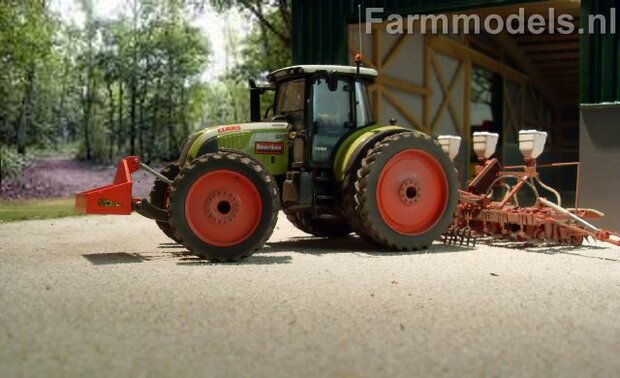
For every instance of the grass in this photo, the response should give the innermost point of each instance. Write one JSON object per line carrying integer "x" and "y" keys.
{"x": 19, "y": 210}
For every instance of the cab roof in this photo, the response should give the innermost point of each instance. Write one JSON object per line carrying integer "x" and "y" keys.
{"x": 288, "y": 72}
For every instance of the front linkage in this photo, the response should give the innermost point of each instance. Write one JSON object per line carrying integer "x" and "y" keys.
{"x": 117, "y": 198}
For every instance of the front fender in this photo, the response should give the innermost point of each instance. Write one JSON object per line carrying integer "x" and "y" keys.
{"x": 265, "y": 142}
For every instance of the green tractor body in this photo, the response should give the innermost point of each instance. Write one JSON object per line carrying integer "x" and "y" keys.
{"x": 318, "y": 155}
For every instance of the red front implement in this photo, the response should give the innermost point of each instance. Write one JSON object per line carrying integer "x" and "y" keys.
{"x": 111, "y": 199}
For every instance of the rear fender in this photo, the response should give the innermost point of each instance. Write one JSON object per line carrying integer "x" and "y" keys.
{"x": 357, "y": 143}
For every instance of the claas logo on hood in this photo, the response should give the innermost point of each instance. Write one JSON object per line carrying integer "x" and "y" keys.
{"x": 226, "y": 129}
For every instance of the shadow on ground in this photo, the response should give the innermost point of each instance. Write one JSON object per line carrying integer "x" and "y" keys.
{"x": 304, "y": 245}
{"x": 351, "y": 244}
{"x": 549, "y": 249}
{"x": 112, "y": 258}
{"x": 321, "y": 246}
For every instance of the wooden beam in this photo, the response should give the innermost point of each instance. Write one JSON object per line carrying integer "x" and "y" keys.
{"x": 561, "y": 72}
{"x": 572, "y": 55}
{"x": 483, "y": 47}
{"x": 545, "y": 38}
{"x": 455, "y": 49}
{"x": 402, "y": 85}
{"x": 549, "y": 47}
{"x": 466, "y": 119}
{"x": 447, "y": 94}
{"x": 376, "y": 49}
{"x": 558, "y": 64}
{"x": 428, "y": 54}
{"x": 413, "y": 120}
{"x": 394, "y": 50}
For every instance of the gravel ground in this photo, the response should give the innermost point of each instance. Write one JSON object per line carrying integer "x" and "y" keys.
{"x": 111, "y": 296}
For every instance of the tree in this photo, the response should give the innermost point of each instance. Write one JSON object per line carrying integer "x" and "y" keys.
{"x": 280, "y": 27}
{"x": 25, "y": 50}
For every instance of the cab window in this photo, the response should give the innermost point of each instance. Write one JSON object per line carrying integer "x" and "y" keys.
{"x": 290, "y": 101}
{"x": 363, "y": 110}
{"x": 332, "y": 108}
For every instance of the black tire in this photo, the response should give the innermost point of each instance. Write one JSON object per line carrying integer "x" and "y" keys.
{"x": 160, "y": 194}
{"x": 367, "y": 185}
{"x": 250, "y": 172}
{"x": 325, "y": 228}
{"x": 351, "y": 209}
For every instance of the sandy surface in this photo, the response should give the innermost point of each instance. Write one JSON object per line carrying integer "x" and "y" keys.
{"x": 111, "y": 296}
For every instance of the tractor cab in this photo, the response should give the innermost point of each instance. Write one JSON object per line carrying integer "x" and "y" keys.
{"x": 322, "y": 104}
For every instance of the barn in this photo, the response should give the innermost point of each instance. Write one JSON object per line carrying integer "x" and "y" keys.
{"x": 566, "y": 84}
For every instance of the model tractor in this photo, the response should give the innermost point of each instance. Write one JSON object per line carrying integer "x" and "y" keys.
{"x": 317, "y": 154}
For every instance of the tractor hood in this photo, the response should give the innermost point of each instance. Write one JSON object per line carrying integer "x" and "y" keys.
{"x": 254, "y": 136}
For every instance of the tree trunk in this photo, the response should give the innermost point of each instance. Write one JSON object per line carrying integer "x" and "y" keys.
{"x": 121, "y": 127}
{"x": 25, "y": 116}
{"x": 111, "y": 122}
{"x": 88, "y": 106}
{"x": 141, "y": 126}
{"x": 132, "y": 119}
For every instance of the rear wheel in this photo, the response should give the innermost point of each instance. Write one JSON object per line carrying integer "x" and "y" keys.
{"x": 327, "y": 228}
{"x": 160, "y": 195}
{"x": 224, "y": 206}
{"x": 351, "y": 208}
{"x": 406, "y": 191}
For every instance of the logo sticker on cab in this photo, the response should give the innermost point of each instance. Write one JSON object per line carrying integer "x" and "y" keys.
{"x": 270, "y": 148}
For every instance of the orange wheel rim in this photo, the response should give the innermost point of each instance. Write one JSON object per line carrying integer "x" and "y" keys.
{"x": 223, "y": 208}
{"x": 412, "y": 192}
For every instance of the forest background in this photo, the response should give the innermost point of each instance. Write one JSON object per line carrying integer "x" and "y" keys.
{"x": 137, "y": 83}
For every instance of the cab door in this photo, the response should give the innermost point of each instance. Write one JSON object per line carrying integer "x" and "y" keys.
{"x": 332, "y": 116}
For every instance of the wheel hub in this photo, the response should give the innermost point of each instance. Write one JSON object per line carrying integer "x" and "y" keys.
{"x": 222, "y": 206}
{"x": 409, "y": 192}
{"x": 404, "y": 179}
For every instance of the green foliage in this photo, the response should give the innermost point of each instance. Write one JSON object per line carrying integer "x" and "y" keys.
{"x": 265, "y": 49}
{"x": 12, "y": 163}
{"x": 27, "y": 66}
{"x": 262, "y": 51}
{"x": 132, "y": 85}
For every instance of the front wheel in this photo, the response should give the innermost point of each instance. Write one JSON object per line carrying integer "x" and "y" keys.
{"x": 224, "y": 206}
